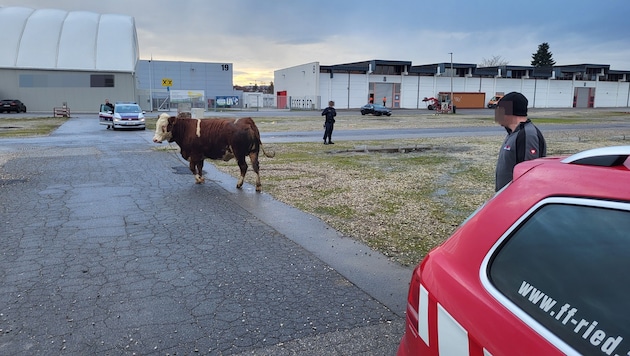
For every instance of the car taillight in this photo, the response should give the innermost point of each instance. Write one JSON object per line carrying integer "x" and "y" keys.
{"x": 413, "y": 298}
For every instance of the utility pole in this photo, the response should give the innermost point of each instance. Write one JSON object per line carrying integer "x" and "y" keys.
{"x": 151, "y": 81}
{"x": 451, "y": 97}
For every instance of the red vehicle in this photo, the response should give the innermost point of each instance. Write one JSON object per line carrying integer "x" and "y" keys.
{"x": 431, "y": 102}
{"x": 539, "y": 269}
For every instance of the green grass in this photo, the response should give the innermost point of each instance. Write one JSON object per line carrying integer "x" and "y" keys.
{"x": 339, "y": 211}
{"x": 390, "y": 226}
{"x": 25, "y": 126}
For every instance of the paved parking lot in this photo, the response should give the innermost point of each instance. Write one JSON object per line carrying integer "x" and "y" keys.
{"x": 109, "y": 248}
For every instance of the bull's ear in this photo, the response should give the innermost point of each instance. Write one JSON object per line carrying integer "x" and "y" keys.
{"x": 172, "y": 119}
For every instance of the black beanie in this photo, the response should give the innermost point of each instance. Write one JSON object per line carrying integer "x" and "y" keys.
{"x": 518, "y": 104}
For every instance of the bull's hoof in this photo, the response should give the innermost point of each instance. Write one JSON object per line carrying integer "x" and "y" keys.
{"x": 239, "y": 186}
{"x": 200, "y": 180}
{"x": 259, "y": 188}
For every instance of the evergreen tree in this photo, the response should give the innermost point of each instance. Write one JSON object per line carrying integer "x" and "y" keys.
{"x": 543, "y": 58}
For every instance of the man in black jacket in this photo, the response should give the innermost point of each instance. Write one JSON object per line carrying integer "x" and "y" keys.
{"x": 330, "y": 114}
{"x": 523, "y": 142}
{"x": 109, "y": 105}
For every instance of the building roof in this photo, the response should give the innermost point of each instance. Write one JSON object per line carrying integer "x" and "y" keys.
{"x": 74, "y": 40}
{"x": 436, "y": 68}
{"x": 366, "y": 66}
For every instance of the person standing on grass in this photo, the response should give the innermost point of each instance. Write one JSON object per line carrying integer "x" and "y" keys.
{"x": 329, "y": 124}
{"x": 523, "y": 142}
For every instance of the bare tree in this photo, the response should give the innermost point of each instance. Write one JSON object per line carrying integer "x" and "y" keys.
{"x": 495, "y": 61}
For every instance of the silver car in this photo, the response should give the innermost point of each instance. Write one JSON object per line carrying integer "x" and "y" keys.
{"x": 126, "y": 115}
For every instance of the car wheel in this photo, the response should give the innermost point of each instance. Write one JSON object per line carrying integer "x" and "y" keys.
{"x": 362, "y": 113}
{"x": 430, "y": 107}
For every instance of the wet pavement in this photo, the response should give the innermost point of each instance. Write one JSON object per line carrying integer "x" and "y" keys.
{"x": 109, "y": 248}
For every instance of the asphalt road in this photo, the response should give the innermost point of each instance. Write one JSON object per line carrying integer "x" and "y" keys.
{"x": 390, "y": 134}
{"x": 108, "y": 248}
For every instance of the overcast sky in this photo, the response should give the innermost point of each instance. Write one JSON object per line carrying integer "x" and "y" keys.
{"x": 260, "y": 36}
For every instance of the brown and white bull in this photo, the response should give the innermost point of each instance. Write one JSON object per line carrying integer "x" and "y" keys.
{"x": 223, "y": 138}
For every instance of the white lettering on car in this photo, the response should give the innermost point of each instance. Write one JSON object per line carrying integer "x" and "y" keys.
{"x": 588, "y": 330}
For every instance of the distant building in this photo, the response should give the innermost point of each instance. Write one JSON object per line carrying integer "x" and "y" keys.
{"x": 53, "y": 57}
{"x": 404, "y": 85}
{"x": 169, "y": 84}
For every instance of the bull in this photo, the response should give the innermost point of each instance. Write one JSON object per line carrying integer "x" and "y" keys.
{"x": 222, "y": 138}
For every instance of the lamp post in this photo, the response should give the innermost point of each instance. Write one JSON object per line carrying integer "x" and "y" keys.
{"x": 257, "y": 95}
{"x": 151, "y": 81}
{"x": 451, "y": 97}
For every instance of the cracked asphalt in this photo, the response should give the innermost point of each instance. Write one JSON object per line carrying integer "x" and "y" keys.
{"x": 109, "y": 248}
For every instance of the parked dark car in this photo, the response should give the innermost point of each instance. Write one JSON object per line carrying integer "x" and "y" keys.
{"x": 375, "y": 109}
{"x": 9, "y": 105}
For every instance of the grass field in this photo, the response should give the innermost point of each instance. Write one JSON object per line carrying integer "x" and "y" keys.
{"x": 403, "y": 197}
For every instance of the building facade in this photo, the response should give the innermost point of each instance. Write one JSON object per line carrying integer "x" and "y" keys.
{"x": 166, "y": 85}
{"x": 77, "y": 59}
{"x": 52, "y": 58}
{"x": 399, "y": 84}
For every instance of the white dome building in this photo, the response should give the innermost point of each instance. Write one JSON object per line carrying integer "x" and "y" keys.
{"x": 50, "y": 57}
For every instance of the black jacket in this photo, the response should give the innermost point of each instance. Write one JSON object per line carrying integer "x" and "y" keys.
{"x": 330, "y": 114}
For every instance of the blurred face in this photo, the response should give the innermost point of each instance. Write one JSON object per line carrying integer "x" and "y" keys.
{"x": 499, "y": 115}
{"x": 503, "y": 113}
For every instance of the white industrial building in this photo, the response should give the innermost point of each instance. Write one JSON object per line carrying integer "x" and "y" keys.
{"x": 403, "y": 85}
{"x": 53, "y": 58}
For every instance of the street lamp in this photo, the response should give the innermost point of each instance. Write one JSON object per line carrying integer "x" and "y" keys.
{"x": 151, "y": 81}
{"x": 451, "y": 97}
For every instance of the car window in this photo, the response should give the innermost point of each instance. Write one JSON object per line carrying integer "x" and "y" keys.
{"x": 127, "y": 109}
{"x": 567, "y": 267}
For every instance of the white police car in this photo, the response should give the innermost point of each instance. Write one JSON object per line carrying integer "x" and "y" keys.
{"x": 126, "y": 115}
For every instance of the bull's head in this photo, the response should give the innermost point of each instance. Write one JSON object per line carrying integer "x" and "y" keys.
{"x": 163, "y": 128}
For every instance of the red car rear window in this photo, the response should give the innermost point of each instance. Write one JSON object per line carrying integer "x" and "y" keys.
{"x": 567, "y": 267}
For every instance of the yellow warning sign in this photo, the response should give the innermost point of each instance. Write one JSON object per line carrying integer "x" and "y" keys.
{"x": 167, "y": 82}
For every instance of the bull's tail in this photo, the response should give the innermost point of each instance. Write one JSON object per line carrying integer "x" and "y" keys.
{"x": 270, "y": 155}
{"x": 255, "y": 135}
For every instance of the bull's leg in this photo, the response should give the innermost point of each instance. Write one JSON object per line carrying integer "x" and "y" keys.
{"x": 196, "y": 167}
{"x": 200, "y": 172}
{"x": 253, "y": 157}
{"x": 243, "y": 166}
